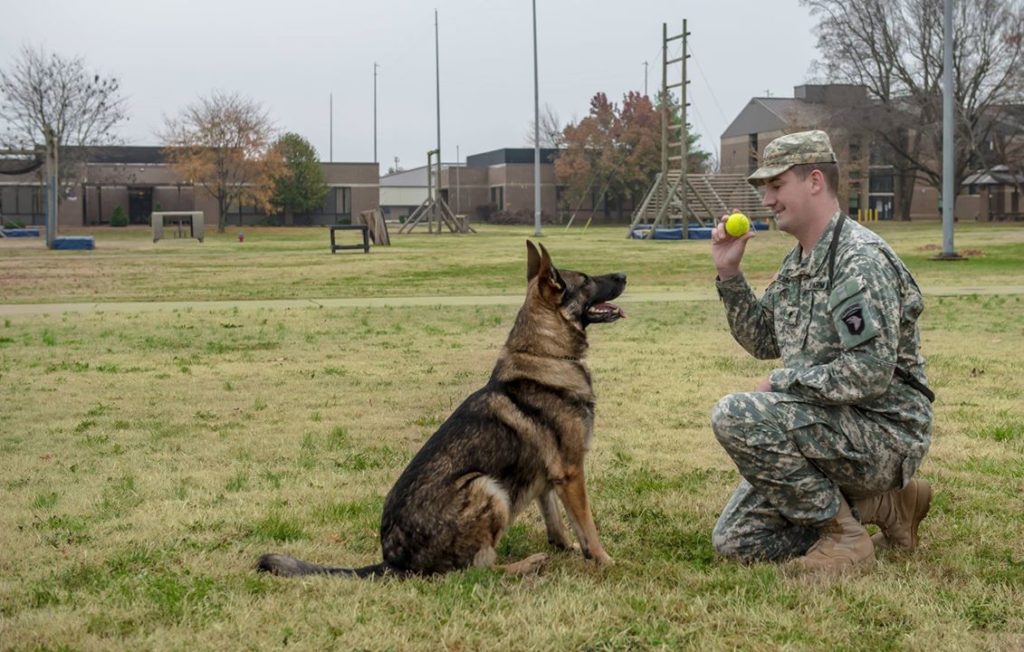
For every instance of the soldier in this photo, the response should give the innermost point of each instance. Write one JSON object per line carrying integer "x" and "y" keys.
{"x": 847, "y": 419}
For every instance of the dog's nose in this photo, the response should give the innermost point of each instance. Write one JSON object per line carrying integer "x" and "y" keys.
{"x": 619, "y": 278}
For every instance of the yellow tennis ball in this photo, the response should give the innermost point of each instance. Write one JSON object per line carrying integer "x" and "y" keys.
{"x": 737, "y": 225}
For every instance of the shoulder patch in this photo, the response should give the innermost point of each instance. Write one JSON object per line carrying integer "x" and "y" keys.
{"x": 853, "y": 317}
{"x": 852, "y": 313}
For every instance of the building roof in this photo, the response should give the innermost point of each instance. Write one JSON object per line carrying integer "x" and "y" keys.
{"x": 999, "y": 175}
{"x": 122, "y": 154}
{"x": 19, "y": 165}
{"x": 510, "y": 155}
{"x": 414, "y": 177}
{"x": 763, "y": 114}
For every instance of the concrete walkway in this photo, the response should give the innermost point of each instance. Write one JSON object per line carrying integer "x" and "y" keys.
{"x": 640, "y": 296}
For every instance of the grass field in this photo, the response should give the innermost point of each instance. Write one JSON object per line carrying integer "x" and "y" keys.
{"x": 148, "y": 458}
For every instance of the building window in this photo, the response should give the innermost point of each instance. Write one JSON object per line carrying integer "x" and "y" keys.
{"x": 880, "y": 183}
{"x": 855, "y": 149}
{"x": 338, "y": 201}
{"x": 498, "y": 197}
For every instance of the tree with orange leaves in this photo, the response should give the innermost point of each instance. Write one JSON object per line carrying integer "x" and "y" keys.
{"x": 224, "y": 143}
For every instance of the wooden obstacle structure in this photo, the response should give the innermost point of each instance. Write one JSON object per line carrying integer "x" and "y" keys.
{"x": 377, "y": 228}
{"x": 434, "y": 208}
{"x": 709, "y": 197}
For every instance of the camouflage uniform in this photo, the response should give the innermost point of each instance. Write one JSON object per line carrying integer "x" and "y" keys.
{"x": 836, "y": 420}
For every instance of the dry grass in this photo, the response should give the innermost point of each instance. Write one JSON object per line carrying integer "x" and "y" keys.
{"x": 147, "y": 459}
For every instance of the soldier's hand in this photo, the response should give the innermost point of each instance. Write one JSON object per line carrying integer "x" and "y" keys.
{"x": 727, "y": 251}
{"x": 764, "y": 386}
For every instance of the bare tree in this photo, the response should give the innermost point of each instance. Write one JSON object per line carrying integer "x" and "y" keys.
{"x": 894, "y": 48}
{"x": 224, "y": 144}
{"x": 550, "y": 129}
{"x": 53, "y": 103}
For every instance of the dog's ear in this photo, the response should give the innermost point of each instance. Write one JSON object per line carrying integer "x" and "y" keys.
{"x": 532, "y": 261}
{"x": 549, "y": 281}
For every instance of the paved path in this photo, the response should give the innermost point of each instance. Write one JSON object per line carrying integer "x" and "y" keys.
{"x": 706, "y": 294}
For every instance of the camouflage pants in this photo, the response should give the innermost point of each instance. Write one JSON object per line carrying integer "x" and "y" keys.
{"x": 796, "y": 458}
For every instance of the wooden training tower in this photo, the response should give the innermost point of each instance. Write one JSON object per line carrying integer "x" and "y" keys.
{"x": 676, "y": 197}
{"x": 434, "y": 208}
{"x": 708, "y": 197}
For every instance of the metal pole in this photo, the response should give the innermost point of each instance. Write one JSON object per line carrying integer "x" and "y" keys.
{"x": 52, "y": 203}
{"x": 948, "y": 196}
{"x": 331, "y": 146}
{"x": 437, "y": 79}
{"x": 375, "y": 66}
{"x": 536, "y": 132}
{"x": 645, "y": 79}
{"x": 458, "y": 197}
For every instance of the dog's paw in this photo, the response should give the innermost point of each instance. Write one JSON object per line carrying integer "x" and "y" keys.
{"x": 564, "y": 545}
{"x": 602, "y": 559}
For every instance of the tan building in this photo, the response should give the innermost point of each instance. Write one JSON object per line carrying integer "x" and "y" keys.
{"x": 499, "y": 181}
{"x": 867, "y": 176}
{"x": 139, "y": 181}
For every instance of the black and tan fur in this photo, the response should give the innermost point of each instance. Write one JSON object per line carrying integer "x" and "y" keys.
{"x": 521, "y": 438}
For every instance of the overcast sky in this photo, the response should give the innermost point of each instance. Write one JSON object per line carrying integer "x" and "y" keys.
{"x": 291, "y": 55}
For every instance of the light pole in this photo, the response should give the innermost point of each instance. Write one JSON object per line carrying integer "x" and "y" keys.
{"x": 948, "y": 192}
{"x": 375, "y": 66}
{"x": 536, "y": 132}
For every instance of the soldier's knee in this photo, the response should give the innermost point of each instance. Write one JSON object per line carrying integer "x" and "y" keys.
{"x": 729, "y": 544}
{"x": 722, "y": 542}
{"x": 727, "y": 417}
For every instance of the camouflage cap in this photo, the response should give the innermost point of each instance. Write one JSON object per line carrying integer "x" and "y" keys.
{"x": 793, "y": 149}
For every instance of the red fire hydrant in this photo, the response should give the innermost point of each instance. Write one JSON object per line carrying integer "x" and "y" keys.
{"x": 241, "y": 237}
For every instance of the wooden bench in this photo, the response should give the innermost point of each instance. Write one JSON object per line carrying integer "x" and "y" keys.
{"x": 350, "y": 227}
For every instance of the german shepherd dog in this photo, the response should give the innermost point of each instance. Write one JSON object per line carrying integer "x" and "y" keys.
{"x": 521, "y": 438}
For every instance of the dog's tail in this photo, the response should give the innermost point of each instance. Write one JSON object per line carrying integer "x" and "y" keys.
{"x": 290, "y": 567}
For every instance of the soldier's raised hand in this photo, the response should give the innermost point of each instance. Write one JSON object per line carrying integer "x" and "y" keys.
{"x": 727, "y": 251}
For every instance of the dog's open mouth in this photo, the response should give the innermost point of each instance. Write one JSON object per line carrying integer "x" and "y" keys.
{"x": 604, "y": 312}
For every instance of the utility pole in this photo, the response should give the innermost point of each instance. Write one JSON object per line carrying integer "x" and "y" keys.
{"x": 645, "y": 79}
{"x": 437, "y": 79}
{"x": 52, "y": 186}
{"x": 331, "y": 137}
{"x": 375, "y": 66}
{"x": 948, "y": 135}
{"x": 536, "y": 132}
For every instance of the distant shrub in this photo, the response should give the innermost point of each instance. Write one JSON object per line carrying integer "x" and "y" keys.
{"x": 119, "y": 217}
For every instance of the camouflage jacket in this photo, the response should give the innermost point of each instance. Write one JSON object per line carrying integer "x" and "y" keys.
{"x": 840, "y": 342}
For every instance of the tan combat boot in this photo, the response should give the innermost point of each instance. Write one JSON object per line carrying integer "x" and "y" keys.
{"x": 844, "y": 546}
{"x": 897, "y": 513}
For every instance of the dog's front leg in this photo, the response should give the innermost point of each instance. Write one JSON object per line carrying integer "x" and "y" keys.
{"x": 558, "y": 536}
{"x": 572, "y": 491}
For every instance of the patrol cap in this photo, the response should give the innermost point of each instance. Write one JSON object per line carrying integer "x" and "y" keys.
{"x": 793, "y": 149}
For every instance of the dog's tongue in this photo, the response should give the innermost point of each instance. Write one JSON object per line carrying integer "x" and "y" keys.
{"x": 610, "y": 308}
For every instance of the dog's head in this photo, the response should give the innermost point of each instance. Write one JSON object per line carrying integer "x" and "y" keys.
{"x": 580, "y": 299}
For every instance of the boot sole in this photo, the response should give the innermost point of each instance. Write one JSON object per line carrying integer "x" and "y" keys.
{"x": 797, "y": 571}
